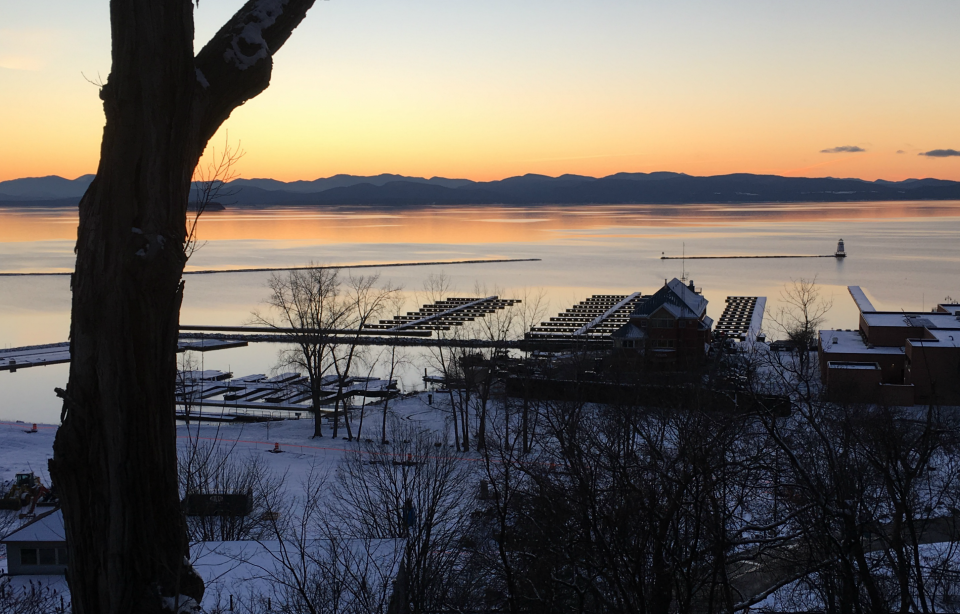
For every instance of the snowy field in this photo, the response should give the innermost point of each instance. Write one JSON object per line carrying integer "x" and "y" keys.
{"x": 21, "y": 451}
{"x": 238, "y": 568}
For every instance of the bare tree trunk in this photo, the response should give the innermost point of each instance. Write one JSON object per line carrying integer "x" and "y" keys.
{"x": 317, "y": 414}
{"x": 115, "y": 462}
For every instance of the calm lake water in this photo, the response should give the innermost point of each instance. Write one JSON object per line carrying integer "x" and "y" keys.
{"x": 905, "y": 255}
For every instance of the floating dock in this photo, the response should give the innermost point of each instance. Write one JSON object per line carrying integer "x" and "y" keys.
{"x": 594, "y": 318}
{"x": 218, "y": 395}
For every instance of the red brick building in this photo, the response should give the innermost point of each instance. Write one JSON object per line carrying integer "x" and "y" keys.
{"x": 894, "y": 357}
{"x": 670, "y": 328}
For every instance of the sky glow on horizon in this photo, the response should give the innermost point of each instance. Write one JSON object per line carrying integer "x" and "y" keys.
{"x": 489, "y": 90}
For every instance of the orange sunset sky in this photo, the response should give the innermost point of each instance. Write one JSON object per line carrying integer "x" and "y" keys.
{"x": 485, "y": 90}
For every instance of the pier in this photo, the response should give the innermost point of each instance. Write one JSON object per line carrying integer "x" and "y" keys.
{"x": 839, "y": 254}
{"x": 59, "y": 353}
{"x": 742, "y": 257}
{"x": 310, "y": 268}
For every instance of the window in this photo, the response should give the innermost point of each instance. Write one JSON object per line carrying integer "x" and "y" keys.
{"x": 43, "y": 556}
{"x": 628, "y": 343}
{"x": 48, "y": 556}
{"x": 664, "y": 343}
{"x": 28, "y": 556}
{"x": 661, "y": 323}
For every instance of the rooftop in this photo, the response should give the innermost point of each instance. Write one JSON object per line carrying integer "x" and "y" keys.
{"x": 678, "y": 297}
{"x": 47, "y": 527}
{"x": 941, "y": 338}
{"x": 629, "y": 331}
{"x": 953, "y": 308}
{"x": 850, "y": 342}
{"x": 921, "y": 319}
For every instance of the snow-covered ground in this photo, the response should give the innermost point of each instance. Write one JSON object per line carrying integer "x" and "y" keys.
{"x": 22, "y": 450}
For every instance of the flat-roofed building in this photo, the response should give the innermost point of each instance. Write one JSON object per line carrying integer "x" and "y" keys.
{"x": 933, "y": 367}
{"x": 893, "y": 328}
{"x": 853, "y": 381}
{"x": 917, "y": 353}
{"x": 849, "y": 346}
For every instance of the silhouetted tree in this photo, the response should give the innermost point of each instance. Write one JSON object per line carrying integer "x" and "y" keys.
{"x": 115, "y": 454}
{"x": 304, "y": 302}
{"x": 803, "y": 312}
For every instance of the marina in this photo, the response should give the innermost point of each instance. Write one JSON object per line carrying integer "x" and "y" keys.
{"x": 213, "y": 394}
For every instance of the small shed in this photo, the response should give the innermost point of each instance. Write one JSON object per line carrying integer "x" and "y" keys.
{"x": 39, "y": 547}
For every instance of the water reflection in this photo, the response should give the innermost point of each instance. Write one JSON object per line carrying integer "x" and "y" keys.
{"x": 904, "y": 254}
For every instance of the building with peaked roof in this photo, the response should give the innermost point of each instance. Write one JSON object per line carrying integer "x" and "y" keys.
{"x": 38, "y": 547}
{"x": 670, "y": 328}
{"x": 365, "y": 574}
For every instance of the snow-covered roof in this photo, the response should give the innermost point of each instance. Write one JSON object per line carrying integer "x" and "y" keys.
{"x": 911, "y": 319}
{"x": 675, "y": 310}
{"x": 628, "y": 331}
{"x": 680, "y": 299}
{"x": 47, "y": 527}
{"x": 850, "y": 342}
{"x": 941, "y": 338}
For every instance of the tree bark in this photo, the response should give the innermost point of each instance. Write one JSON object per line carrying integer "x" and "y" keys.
{"x": 115, "y": 462}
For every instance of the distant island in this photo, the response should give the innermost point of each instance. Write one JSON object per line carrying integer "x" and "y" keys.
{"x": 622, "y": 188}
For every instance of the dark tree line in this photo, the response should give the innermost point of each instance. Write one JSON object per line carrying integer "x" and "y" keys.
{"x": 691, "y": 507}
{"x": 624, "y": 507}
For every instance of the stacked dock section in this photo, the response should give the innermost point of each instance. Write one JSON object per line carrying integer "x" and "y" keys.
{"x": 594, "y": 318}
{"x": 445, "y": 314}
{"x": 742, "y": 317}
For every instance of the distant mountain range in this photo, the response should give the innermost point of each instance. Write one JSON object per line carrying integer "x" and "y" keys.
{"x": 621, "y": 188}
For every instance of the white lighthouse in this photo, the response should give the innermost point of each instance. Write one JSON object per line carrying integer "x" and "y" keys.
{"x": 840, "y": 253}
